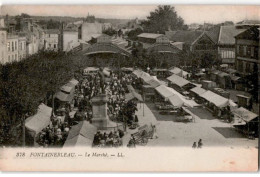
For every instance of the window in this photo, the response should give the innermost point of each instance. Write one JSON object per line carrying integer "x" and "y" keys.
{"x": 247, "y": 69}
{"x": 252, "y": 52}
{"x": 12, "y": 46}
{"x": 8, "y": 46}
{"x": 15, "y": 57}
{"x": 3, "y": 38}
{"x": 12, "y": 57}
{"x": 256, "y": 53}
{"x": 244, "y": 51}
{"x": 9, "y": 58}
{"x": 240, "y": 50}
{"x": 54, "y": 46}
{"x": 15, "y": 45}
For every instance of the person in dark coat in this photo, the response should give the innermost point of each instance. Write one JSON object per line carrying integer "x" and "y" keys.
{"x": 194, "y": 145}
{"x": 200, "y": 143}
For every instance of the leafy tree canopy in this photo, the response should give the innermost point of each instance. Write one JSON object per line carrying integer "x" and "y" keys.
{"x": 162, "y": 19}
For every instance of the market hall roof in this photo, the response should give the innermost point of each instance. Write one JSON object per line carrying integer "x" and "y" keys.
{"x": 187, "y": 37}
{"x": 105, "y": 48}
{"x": 224, "y": 35}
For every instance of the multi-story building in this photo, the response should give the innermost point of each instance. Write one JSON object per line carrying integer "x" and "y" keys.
{"x": 22, "y": 49}
{"x": 86, "y": 30}
{"x": 224, "y": 37}
{"x": 51, "y": 39}
{"x": 247, "y": 51}
{"x": 3, "y": 46}
{"x": 12, "y": 48}
{"x": 196, "y": 44}
{"x": 69, "y": 38}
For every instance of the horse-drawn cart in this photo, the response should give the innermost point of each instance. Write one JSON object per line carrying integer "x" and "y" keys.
{"x": 141, "y": 137}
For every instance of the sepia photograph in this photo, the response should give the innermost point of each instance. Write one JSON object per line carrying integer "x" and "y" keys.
{"x": 116, "y": 84}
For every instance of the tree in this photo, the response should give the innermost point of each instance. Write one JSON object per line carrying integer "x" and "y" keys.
{"x": 24, "y": 15}
{"x": 26, "y": 84}
{"x": 132, "y": 35}
{"x": 110, "y": 32}
{"x": 164, "y": 18}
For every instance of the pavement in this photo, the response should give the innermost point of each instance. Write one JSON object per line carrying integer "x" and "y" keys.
{"x": 211, "y": 130}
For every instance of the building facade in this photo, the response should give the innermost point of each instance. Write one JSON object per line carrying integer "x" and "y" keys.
{"x": 224, "y": 37}
{"x": 68, "y": 40}
{"x": 3, "y": 46}
{"x": 12, "y": 48}
{"x": 22, "y": 49}
{"x": 51, "y": 39}
{"x": 247, "y": 51}
{"x": 86, "y": 30}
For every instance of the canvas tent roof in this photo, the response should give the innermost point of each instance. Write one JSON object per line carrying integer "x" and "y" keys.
{"x": 164, "y": 91}
{"x": 179, "y": 72}
{"x": 154, "y": 83}
{"x": 127, "y": 69}
{"x": 130, "y": 88}
{"x": 62, "y": 96}
{"x": 67, "y": 87}
{"x": 198, "y": 90}
{"x": 175, "y": 70}
{"x": 78, "y": 140}
{"x": 234, "y": 78}
{"x": 216, "y": 99}
{"x": 245, "y": 114}
{"x": 189, "y": 103}
{"x": 133, "y": 95}
{"x": 84, "y": 129}
{"x": 178, "y": 80}
{"x": 106, "y": 72}
{"x": 223, "y": 74}
{"x": 90, "y": 69}
{"x": 74, "y": 82}
{"x": 146, "y": 78}
{"x": 137, "y": 72}
{"x": 175, "y": 100}
{"x": 40, "y": 120}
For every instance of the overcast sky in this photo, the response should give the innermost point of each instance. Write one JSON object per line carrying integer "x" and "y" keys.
{"x": 190, "y": 13}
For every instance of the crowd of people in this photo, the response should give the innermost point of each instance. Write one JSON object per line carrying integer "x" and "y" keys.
{"x": 55, "y": 134}
{"x": 111, "y": 139}
{"x": 89, "y": 86}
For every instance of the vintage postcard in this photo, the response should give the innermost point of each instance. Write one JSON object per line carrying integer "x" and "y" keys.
{"x": 129, "y": 88}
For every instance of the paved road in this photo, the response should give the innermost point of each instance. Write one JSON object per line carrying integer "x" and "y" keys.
{"x": 213, "y": 132}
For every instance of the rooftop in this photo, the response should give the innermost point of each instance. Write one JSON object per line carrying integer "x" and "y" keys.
{"x": 184, "y": 36}
{"x": 150, "y": 35}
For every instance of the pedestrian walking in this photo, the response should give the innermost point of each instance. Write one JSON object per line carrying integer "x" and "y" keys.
{"x": 200, "y": 143}
{"x": 194, "y": 145}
